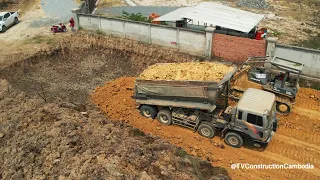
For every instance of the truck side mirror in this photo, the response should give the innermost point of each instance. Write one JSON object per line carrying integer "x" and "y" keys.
{"x": 4, "y": 19}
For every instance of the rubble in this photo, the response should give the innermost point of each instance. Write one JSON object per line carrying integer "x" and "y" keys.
{"x": 258, "y": 4}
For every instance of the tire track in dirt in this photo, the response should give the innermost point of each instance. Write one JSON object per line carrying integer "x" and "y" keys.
{"x": 301, "y": 144}
{"x": 307, "y": 112}
{"x": 283, "y": 160}
{"x": 298, "y": 153}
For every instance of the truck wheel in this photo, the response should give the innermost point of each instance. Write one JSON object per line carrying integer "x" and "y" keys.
{"x": 16, "y": 20}
{"x": 206, "y": 129}
{"x": 283, "y": 108}
{"x": 4, "y": 28}
{"x": 148, "y": 111}
{"x": 233, "y": 139}
{"x": 165, "y": 117}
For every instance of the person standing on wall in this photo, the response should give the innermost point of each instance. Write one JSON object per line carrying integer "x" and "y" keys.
{"x": 72, "y": 24}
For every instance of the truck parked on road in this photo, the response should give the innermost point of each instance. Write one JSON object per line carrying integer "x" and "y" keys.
{"x": 194, "y": 105}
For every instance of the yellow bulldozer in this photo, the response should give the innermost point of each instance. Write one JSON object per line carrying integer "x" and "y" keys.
{"x": 277, "y": 75}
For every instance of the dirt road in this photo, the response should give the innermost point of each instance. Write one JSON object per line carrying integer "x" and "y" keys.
{"x": 38, "y": 19}
{"x": 296, "y": 141}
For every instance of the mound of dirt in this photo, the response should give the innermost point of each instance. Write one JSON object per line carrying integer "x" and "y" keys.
{"x": 308, "y": 98}
{"x": 243, "y": 82}
{"x": 201, "y": 71}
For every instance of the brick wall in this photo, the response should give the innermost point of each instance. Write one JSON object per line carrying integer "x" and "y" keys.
{"x": 237, "y": 49}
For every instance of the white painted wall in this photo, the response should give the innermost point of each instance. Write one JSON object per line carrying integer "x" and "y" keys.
{"x": 164, "y": 36}
{"x": 89, "y": 22}
{"x": 138, "y": 32}
{"x": 112, "y": 27}
{"x": 181, "y": 39}
{"x": 192, "y": 42}
{"x": 309, "y": 57}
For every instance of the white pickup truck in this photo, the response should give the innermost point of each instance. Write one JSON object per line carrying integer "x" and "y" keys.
{"x": 7, "y": 19}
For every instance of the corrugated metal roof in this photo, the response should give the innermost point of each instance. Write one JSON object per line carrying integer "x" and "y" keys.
{"x": 224, "y": 16}
{"x": 257, "y": 101}
{"x": 174, "y": 15}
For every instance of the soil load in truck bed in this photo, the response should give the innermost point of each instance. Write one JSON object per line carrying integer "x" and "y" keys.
{"x": 192, "y": 71}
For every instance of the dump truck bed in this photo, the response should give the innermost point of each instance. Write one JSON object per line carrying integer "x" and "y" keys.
{"x": 181, "y": 93}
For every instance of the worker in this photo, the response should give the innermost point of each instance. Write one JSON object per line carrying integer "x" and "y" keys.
{"x": 71, "y": 24}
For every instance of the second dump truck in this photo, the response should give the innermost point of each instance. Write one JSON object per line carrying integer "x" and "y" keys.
{"x": 194, "y": 104}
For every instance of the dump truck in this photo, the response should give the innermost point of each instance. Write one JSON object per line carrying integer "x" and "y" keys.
{"x": 196, "y": 105}
{"x": 270, "y": 73}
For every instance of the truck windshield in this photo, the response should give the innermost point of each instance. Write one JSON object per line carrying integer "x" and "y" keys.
{"x": 271, "y": 115}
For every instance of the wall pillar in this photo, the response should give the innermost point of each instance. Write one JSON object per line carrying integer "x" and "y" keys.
{"x": 75, "y": 16}
{"x": 209, "y": 40}
{"x": 271, "y": 46}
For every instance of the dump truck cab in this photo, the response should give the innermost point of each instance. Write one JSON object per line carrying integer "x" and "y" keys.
{"x": 253, "y": 118}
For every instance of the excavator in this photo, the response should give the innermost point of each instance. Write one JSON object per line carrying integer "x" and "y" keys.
{"x": 277, "y": 75}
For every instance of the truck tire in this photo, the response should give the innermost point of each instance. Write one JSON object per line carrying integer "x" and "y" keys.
{"x": 165, "y": 117}
{"x": 233, "y": 139}
{"x": 16, "y": 20}
{"x": 4, "y": 28}
{"x": 148, "y": 111}
{"x": 206, "y": 129}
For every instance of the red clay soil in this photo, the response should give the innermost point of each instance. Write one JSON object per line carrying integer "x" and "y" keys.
{"x": 296, "y": 141}
{"x": 308, "y": 98}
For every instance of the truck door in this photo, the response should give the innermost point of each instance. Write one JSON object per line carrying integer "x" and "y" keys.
{"x": 7, "y": 20}
{"x": 255, "y": 123}
{"x": 239, "y": 125}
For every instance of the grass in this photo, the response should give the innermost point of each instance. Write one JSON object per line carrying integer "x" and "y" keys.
{"x": 276, "y": 33}
{"x": 4, "y": 5}
{"x": 136, "y": 132}
{"x": 39, "y": 40}
{"x": 26, "y": 5}
{"x": 109, "y": 3}
{"x": 316, "y": 87}
{"x": 312, "y": 42}
{"x": 100, "y": 32}
{"x": 181, "y": 152}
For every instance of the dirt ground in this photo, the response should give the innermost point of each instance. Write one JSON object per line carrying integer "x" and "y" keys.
{"x": 199, "y": 71}
{"x": 295, "y": 142}
{"x": 49, "y": 129}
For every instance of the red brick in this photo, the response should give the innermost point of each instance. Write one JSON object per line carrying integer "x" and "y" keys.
{"x": 234, "y": 48}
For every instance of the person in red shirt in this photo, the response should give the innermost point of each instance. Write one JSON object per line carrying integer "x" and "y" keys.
{"x": 71, "y": 24}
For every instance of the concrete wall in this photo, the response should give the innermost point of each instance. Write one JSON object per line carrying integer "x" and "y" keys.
{"x": 309, "y": 57}
{"x": 184, "y": 40}
{"x": 89, "y": 22}
{"x": 237, "y": 49}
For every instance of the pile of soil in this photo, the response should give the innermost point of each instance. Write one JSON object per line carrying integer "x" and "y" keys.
{"x": 201, "y": 71}
{"x": 308, "y": 98}
{"x": 243, "y": 82}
